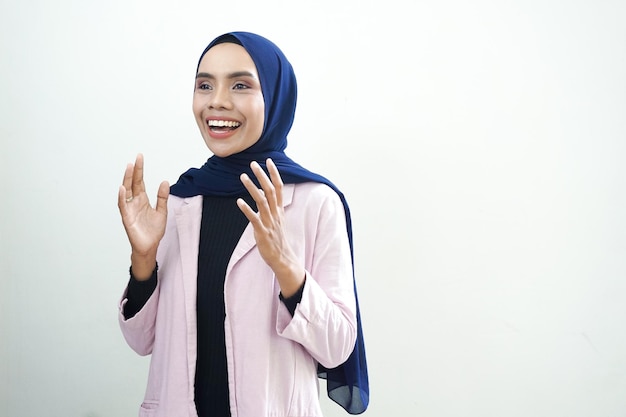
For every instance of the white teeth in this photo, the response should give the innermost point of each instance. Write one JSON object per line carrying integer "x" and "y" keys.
{"x": 223, "y": 123}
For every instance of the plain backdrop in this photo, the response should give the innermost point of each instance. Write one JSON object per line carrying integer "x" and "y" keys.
{"x": 481, "y": 147}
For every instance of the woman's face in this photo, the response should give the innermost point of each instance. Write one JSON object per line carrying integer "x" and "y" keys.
{"x": 227, "y": 102}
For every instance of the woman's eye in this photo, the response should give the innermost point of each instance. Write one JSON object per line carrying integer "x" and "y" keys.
{"x": 203, "y": 86}
{"x": 240, "y": 86}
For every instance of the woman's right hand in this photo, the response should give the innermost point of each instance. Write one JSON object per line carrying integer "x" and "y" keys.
{"x": 144, "y": 225}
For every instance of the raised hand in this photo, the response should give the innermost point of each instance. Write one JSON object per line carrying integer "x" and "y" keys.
{"x": 144, "y": 225}
{"x": 269, "y": 226}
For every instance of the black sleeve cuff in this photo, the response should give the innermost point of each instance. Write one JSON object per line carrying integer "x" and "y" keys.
{"x": 138, "y": 293}
{"x": 292, "y": 302}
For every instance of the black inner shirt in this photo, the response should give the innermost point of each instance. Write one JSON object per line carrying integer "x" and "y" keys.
{"x": 221, "y": 228}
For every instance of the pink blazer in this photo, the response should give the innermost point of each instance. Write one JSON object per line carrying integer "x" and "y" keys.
{"x": 272, "y": 357}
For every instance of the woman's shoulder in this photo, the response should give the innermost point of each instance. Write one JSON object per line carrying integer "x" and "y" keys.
{"x": 313, "y": 187}
{"x": 315, "y": 194}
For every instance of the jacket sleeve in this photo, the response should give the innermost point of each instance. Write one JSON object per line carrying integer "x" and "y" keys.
{"x": 324, "y": 321}
{"x": 138, "y": 293}
{"x": 139, "y": 329}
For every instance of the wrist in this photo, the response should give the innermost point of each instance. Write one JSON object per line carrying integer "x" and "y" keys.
{"x": 290, "y": 277}
{"x": 142, "y": 266}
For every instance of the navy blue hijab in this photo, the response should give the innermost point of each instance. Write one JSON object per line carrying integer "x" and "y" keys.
{"x": 348, "y": 383}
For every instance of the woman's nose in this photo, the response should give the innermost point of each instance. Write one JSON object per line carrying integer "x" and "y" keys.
{"x": 220, "y": 99}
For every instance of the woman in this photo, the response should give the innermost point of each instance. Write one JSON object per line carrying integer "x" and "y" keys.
{"x": 241, "y": 283}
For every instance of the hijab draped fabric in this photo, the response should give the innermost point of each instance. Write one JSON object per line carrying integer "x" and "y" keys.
{"x": 348, "y": 383}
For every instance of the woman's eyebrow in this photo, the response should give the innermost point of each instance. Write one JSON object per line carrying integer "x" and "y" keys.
{"x": 235, "y": 74}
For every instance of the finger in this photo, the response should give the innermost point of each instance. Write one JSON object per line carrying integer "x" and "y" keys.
{"x": 247, "y": 211}
{"x": 127, "y": 182}
{"x": 162, "y": 196}
{"x": 276, "y": 180}
{"x": 264, "y": 214}
{"x": 256, "y": 193}
{"x": 268, "y": 188}
{"x": 121, "y": 200}
{"x": 138, "y": 186}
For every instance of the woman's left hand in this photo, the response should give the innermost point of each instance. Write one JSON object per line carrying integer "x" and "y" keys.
{"x": 269, "y": 226}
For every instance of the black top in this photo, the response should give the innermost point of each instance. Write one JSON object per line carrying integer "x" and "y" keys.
{"x": 221, "y": 228}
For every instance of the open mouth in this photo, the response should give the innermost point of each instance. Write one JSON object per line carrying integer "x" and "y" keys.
{"x": 223, "y": 125}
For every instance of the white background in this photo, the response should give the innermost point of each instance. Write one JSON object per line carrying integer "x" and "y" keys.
{"x": 480, "y": 145}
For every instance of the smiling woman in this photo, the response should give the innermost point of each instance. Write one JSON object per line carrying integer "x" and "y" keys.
{"x": 242, "y": 286}
{"x": 228, "y": 101}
